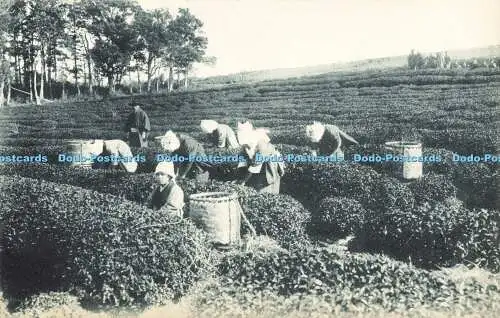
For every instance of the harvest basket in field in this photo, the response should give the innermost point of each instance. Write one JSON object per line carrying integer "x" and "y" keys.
{"x": 219, "y": 214}
{"x": 79, "y": 152}
{"x": 409, "y": 169}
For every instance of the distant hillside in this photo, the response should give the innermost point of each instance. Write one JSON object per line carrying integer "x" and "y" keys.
{"x": 375, "y": 63}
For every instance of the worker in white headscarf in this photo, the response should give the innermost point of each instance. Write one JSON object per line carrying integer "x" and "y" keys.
{"x": 246, "y": 131}
{"x": 221, "y": 135}
{"x": 328, "y": 139}
{"x": 186, "y": 147}
{"x": 264, "y": 176}
{"x": 167, "y": 195}
{"x": 114, "y": 154}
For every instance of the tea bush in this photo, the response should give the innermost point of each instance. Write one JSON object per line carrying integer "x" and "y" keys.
{"x": 310, "y": 183}
{"x": 481, "y": 241}
{"x": 473, "y": 140}
{"x": 106, "y": 250}
{"x": 438, "y": 234}
{"x": 286, "y": 149}
{"x": 444, "y": 166}
{"x": 299, "y": 182}
{"x": 360, "y": 279}
{"x": 338, "y": 217}
{"x": 432, "y": 188}
{"x": 477, "y": 184}
{"x": 224, "y": 171}
{"x": 313, "y": 183}
{"x": 133, "y": 187}
{"x": 42, "y": 302}
{"x": 150, "y": 156}
{"x": 279, "y": 216}
{"x": 390, "y": 193}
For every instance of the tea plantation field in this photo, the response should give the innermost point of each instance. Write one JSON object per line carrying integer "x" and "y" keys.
{"x": 76, "y": 238}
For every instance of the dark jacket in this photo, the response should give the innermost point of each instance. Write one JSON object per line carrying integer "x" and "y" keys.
{"x": 224, "y": 137}
{"x": 332, "y": 140}
{"x": 169, "y": 199}
{"x": 139, "y": 120}
{"x": 189, "y": 147}
{"x": 270, "y": 172}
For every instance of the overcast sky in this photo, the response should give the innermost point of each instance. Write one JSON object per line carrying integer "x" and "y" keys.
{"x": 249, "y": 35}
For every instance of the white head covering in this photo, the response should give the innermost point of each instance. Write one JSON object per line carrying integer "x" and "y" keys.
{"x": 246, "y": 132}
{"x": 167, "y": 167}
{"x": 245, "y": 126}
{"x": 112, "y": 146}
{"x": 253, "y": 139}
{"x": 208, "y": 126}
{"x": 169, "y": 141}
{"x": 315, "y": 131}
{"x": 119, "y": 147}
{"x": 263, "y": 134}
{"x": 96, "y": 146}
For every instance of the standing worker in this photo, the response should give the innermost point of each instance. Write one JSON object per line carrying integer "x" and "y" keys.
{"x": 221, "y": 135}
{"x": 327, "y": 139}
{"x": 167, "y": 195}
{"x": 186, "y": 149}
{"x": 264, "y": 176}
{"x": 138, "y": 127}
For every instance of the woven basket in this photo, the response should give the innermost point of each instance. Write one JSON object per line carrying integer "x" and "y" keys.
{"x": 218, "y": 213}
{"x": 82, "y": 150}
{"x": 409, "y": 169}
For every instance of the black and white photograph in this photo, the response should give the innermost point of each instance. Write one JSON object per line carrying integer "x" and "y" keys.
{"x": 249, "y": 158}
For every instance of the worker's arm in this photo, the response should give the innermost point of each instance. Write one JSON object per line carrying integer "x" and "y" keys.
{"x": 252, "y": 169}
{"x": 246, "y": 177}
{"x": 347, "y": 137}
{"x": 149, "y": 200}
{"x": 221, "y": 141}
{"x": 146, "y": 123}
{"x": 221, "y": 137}
{"x": 125, "y": 153}
{"x": 184, "y": 168}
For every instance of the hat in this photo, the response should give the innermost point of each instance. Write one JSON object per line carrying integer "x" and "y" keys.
{"x": 169, "y": 141}
{"x": 169, "y": 135}
{"x": 134, "y": 103}
{"x": 253, "y": 137}
{"x": 263, "y": 134}
{"x": 166, "y": 167}
{"x": 208, "y": 126}
{"x": 315, "y": 131}
{"x": 96, "y": 146}
{"x": 244, "y": 126}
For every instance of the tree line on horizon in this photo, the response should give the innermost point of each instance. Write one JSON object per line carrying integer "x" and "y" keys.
{"x": 51, "y": 47}
{"x": 441, "y": 60}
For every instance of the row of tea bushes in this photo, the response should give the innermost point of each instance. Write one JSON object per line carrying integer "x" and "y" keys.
{"x": 361, "y": 280}
{"x": 280, "y": 216}
{"x": 106, "y": 250}
{"x": 352, "y": 200}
